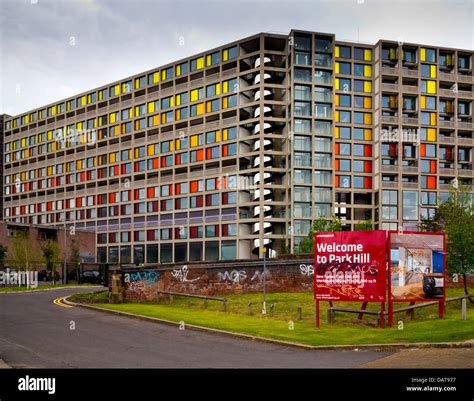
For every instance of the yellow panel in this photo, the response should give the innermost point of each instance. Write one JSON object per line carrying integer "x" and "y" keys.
{"x": 368, "y": 54}
{"x": 218, "y": 89}
{"x": 218, "y": 136}
{"x": 367, "y": 118}
{"x": 137, "y": 83}
{"x": 336, "y": 67}
{"x": 151, "y": 107}
{"x": 336, "y": 83}
{"x": 178, "y": 144}
{"x": 368, "y": 134}
{"x": 336, "y": 51}
{"x": 432, "y": 118}
{"x": 422, "y": 54}
{"x": 194, "y": 141}
{"x": 156, "y": 77}
{"x": 208, "y": 60}
{"x": 431, "y": 134}
{"x": 225, "y": 103}
{"x": 336, "y": 133}
{"x": 423, "y": 102}
{"x": 178, "y": 70}
{"x": 367, "y": 70}
{"x": 433, "y": 71}
{"x": 225, "y": 55}
{"x": 367, "y": 102}
{"x": 431, "y": 87}
{"x": 200, "y": 63}
{"x": 225, "y": 87}
{"x": 117, "y": 89}
{"x": 367, "y": 86}
{"x": 337, "y": 100}
{"x": 194, "y": 95}
{"x": 336, "y": 116}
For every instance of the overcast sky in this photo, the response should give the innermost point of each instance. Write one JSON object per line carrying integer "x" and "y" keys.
{"x": 52, "y": 49}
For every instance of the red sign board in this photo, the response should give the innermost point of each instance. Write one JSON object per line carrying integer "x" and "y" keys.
{"x": 350, "y": 266}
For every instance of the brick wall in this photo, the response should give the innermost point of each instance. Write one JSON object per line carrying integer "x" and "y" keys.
{"x": 231, "y": 278}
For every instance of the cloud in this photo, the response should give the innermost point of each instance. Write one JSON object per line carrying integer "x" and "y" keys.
{"x": 58, "y": 48}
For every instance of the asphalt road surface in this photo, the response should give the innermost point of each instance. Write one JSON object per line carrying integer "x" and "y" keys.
{"x": 35, "y": 332}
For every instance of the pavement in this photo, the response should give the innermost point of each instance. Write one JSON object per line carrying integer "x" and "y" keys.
{"x": 426, "y": 358}
{"x": 35, "y": 332}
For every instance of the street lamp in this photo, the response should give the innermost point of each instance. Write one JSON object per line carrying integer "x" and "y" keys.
{"x": 65, "y": 249}
{"x": 264, "y": 251}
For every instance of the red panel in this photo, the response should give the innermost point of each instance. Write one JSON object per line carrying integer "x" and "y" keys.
{"x": 367, "y": 150}
{"x": 367, "y": 182}
{"x": 431, "y": 182}
{"x": 423, "y": 150}
{"x": 337, "y": 181}
{"x": 367, "y": 166}
{"x": 433, "y": 166}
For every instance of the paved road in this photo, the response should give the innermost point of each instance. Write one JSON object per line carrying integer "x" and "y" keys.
{"x": 34, "y": 332}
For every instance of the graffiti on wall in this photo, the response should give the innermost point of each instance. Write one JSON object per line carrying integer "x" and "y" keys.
{"x": 307, "y": 270}
{"x": 234, "y": 276}
{"x": 140, "y": 280}
{"x": 181, "y": 274}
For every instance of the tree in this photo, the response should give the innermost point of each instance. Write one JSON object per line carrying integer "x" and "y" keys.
{"x": 319, "y": 225}
{"x": 24, "y": 254}
{"x": 455, "y": 217}
{"x": 3, "y": 255}
{"x": 364, "y": 226}
{"x": 76, "y": 257}
{"x": 51, "y": 258}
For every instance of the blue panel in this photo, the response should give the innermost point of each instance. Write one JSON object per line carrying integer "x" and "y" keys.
{"x": 438, "y": 262}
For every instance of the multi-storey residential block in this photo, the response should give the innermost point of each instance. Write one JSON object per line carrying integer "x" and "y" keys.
{"x": 243, "y": 146}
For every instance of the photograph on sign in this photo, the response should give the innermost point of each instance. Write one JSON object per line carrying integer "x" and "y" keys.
{"x": 350, "y": 266}
{"x": 417, "y": 266}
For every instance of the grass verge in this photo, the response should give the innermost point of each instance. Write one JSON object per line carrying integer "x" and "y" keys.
{"x": 41, "y": 287}
{"x": 283, "y": 324}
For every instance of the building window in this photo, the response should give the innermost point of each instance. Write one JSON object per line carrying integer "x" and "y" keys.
{"x": 410, "y": 205}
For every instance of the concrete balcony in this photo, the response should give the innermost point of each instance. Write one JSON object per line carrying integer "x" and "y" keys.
{"x": 465, "y": 172}
{"x": 465, "y": 141}
{"x": 387, "y": 168}
{"x": 447, "y": 92}
{"x": 410, "y": 73}
{"x": 447, "y": 171}
{"x": 466, "y": 94}
{"x": 447, "y": 124}
{"x": 390, "y": 119}
{"x": 465, "y": 78}
{"x": 390, "y": 71}
{"x": 410, "y": 120}
{"x": 446, "y": 77}
{"x": 446, "y": 139}
{"x": 465, "y": 125}
{"x": 390, "y": 87}
{"x": 389, "y": 184}
{"x": 410, "y": 169}
{"x": 410, "y": 185}
{"x": 410, "y": 89}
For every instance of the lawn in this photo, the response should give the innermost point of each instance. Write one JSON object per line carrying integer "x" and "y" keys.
{"x": 40, "y": 287}
{"x": 284, "y": 323}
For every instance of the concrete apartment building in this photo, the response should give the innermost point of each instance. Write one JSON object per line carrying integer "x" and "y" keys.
{"x": 214, "y": 156}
